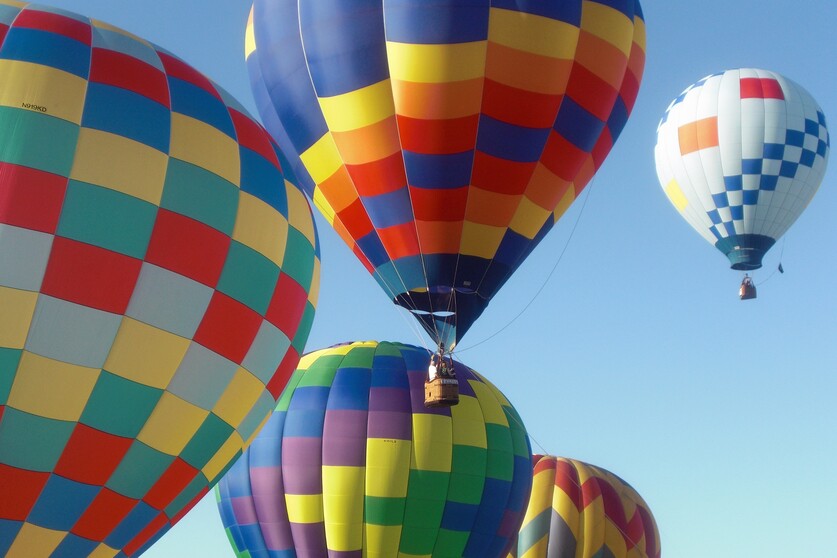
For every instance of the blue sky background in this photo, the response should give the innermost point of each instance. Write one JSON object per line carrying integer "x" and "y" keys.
{"x": 637, "y": 355}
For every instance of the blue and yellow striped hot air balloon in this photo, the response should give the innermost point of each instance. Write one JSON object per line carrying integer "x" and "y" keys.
{"x": 442, "y": 140}
{"x": 353, "y": 464}
{"x": 158, "y": 277}
{"x": 577, "y": 510}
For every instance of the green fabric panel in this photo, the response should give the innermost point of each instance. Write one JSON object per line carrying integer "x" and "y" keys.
{"x": 520, "y": 439}
{"x": 9, "y": 359}
{"x": 187, "y": 495}
{"x": 384, "y": 511}
{"x": 467, "y": 477}
{"x": 392, "y": 349}
{"x": 305, "y": 324}
{"x": 141, "y": 467}
{"x": 32, "y": 442}
{"x": 426, "y": 496}
{"x": 248, "y": 277}
{"x": 359, "y": 357}
{"x": 119, "y": 406}
{"x": 451, "y": 544}
{"x": 321, "y": 372}
{"x": 299, "y": 258}
{"x": 207, "y": 440}
{"x": 204, "y": 196}
{"x": 107, "y": 218}
{"x": 500, "y": 464}
{"x": 36, "y": 140}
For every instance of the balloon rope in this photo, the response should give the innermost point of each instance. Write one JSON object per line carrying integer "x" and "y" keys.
{"x": 548, "y": 277}
{"x": 769, "y": 277}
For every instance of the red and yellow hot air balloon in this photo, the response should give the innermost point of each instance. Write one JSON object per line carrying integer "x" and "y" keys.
{"x": 442, "y": 140}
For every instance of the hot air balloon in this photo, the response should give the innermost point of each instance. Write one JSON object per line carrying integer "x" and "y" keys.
{"x": 158, "y": 277}
{"x": 582, "y": 511}
{"x": 352, "y": 463}
{"x": 740, "y": 154}
{"x": 442, "y": 140}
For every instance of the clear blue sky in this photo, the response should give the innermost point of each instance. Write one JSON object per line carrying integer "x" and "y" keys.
{"x": 638, "y": 355}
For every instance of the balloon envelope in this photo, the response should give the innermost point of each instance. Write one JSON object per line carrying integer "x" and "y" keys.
{"x": 352, "y": 464}
{"x": 740, "y": 154}
{"x": 442, "y": 140}
{"x": 158, "y": 278}
{"x": 582, "y": 511}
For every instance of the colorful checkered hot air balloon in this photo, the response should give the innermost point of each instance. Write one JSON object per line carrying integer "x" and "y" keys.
{"x": 158, "y": 278}
{"x": 740, "y": 154}
{"x": 352, "y": 464}
{"x": 442, "y": 140}
{"x": 578, "y": 510}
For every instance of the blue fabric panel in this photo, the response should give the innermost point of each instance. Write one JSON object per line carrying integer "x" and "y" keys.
{"x": 61, "y": 503}
{"x": 714, "y": 216}
{"x": 807, "y": 158}
{"x": 263, "y": 180}
{"x": 495, "y": 495}
{"x": 511, "y": 247}
{"x": 822, "y": 147}
{"x": 812, "y": 127}
{"x": 751, "y": 166}
{"x": 387, "y": 278}
{"x": 714, "y": 231}
{"x": 774, "y": 151}
{"x": 73, "y": 546}
{"x": 733, "y": 183}
{"x": 383, "y": 367}
{"x": 438, "y": 22}
{"x": 618, "y": 118}
{"x": 344, "y": 43}
{"x": 8, "y": 532}
{"x": 737, "y": 212}
{"x": 350, "y": 390}
{"x": 253, "y": 539}
{"x": 795, "y": 138}
{"x": 768, "y": 183}
{"x": 264, "y": 451}
{"x": 287, "y": 84}
{"x": 127, "y": 114}
{"x": 578, "y": 126}
{"x": 522, "y": 476}
{"x": 730, "y": 228}
{"x": 458, "y": 516}
{"x": 130, "y": 527}
{"x": 198, "y": 103}
{"x": 410, "y": 273}
{"x": 507, "y": 141}
{"x": 569, "y": 12}
{"x": 751, "y": 197}
{"x": 438, "y": 171}
{"x": 495, "y": 277}
{"x": 720, "y": 200}
{"x": 307, "y": 412}
{"x": 821, "y": 117}
{"x": 390, "y": 209}
{"x": 788, "y": 169}
{"x": 372, "y": 248}
{"x": 237, "y": 479}
{"x": 49, "y": 49}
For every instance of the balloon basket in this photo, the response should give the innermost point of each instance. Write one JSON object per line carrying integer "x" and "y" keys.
{"x": 441, "y": 392}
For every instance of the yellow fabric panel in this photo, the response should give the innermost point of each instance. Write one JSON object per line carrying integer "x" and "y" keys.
{"x": 314, "y": 289}
{"x": 343, "y": 507}
{"x": 222, "y": 457}
{"x": 130, "y": 167}
{"x": 304, "y": 508}
{"x": 432, "y": 447}
{"x": 381, "y": 541}
{"x": 103, "y": 551}
{"x": 609, "y": 25}
{"x": 676, "y": 195}
{"x": 51, "y": 388}
{"x": 261, "y": 227}
{"x": 205, "y": 146}
{"x": 387, "y": 467}
{"x": 15, "y": 3}
{"x": 239, "y": 398}
{"x": 529, "y": 218}
{"x": 614, "y": 539}
{"x": 59, "y": 92}
{"x": 18, "y": 307}
{"x": 323, "y": 206}
{"x": 532, "y": 33}
{"x": 498, "y": 395}
{"x": 592, "y": 528}
{"x": 639, "y": 33}
{"x": 492, "y": 412}
{"x": 299, "y": 213}
{"x": 145, "y": 354}
{"x": 322, "y": 159}
{"x": 540, "y": 498}
{"x": 468, "y": 423}
{"x": 436, "y": 63}
{"x": 172, "y": 424}
{"x": 358, "y": 108}
{"x": 104, "y": 25}
{"x": 566, "y": 508}
{"x": 566, "y": 201}
{"x": 249, "y": 36}
{"x": 537, "y": 550}
{"x": 480, "y": 240}
{"x": 32, "y": 541}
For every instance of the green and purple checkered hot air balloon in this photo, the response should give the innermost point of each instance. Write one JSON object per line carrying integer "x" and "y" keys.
{"x": 353, "y": 464}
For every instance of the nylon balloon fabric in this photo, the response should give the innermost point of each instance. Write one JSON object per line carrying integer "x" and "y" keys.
{"x": 158, "y": 278}
{"x": 582, "y": 511}
{"x": 353, "y": 464}
{"x": 443, "y": 140}
{"x": 740, "y": 155}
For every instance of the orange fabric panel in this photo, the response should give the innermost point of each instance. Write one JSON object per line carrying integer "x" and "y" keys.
{"x": 437, "y": 100}
{"x": 370, "y": 143}
{"x": 339, "y": 190}
{"x": 697, "y": 135}
{"x": 439, "y": 237}
{"x": 546, "y": 189}
{"x": 602, "y": 58}
{"x": 400, "y": 241}
{"x": 379, "y": 177}
{"x": 491, "y": 208}
{"x": 527, "y": 71}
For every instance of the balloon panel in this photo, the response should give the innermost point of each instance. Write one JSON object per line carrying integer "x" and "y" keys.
{"x": 583, "y": 511}
{"x": 352, "y": 463}
{"x": 740, "y": 154}
{"x": 158, "y": 277}
{"x": 442, "y": 142}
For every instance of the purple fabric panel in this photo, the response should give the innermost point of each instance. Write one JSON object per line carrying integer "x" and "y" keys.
{"x": 345, "y": 554}
{"x": 277, "y": 536}
{"x": 393, "y": 426}
{"x": 389, "y": 399}
{"x": 344, "y": 438}
{"x": 301, "y": 464}
{"x": 244, "y": 510}
{"x": 464, "y": 374}
{"x": 309, "y": 540}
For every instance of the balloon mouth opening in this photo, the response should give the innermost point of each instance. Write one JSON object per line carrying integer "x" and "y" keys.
{"x": 438, "y": 314}
{"x": 744, "y": 266}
